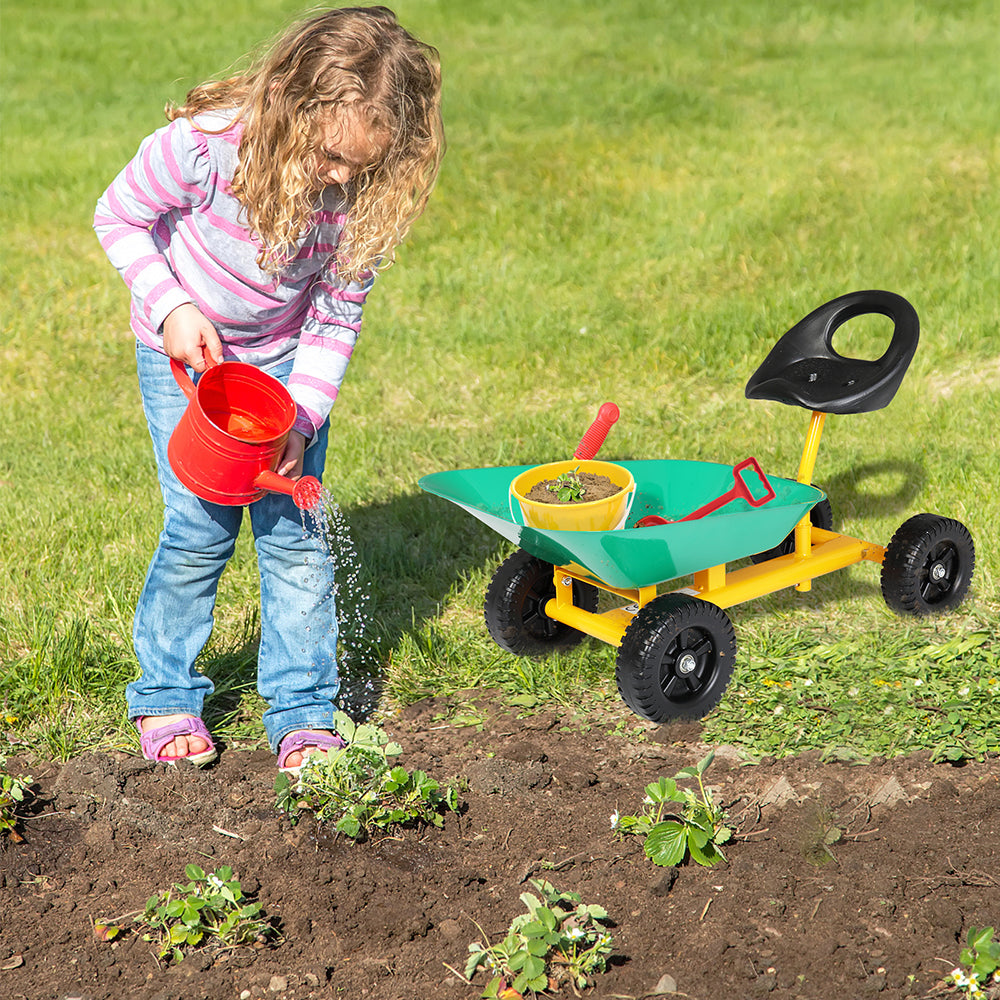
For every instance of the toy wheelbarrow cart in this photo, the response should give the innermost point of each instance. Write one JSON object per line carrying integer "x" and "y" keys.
{"x": 676, "y": 650}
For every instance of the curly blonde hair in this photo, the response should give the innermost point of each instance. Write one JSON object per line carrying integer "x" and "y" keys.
{"x": 357, "y": 62}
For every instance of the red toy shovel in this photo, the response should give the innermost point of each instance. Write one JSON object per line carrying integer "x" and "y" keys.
{"x": 739, "y": 491}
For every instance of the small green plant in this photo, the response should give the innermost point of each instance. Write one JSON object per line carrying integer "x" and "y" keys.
{"x": 568, "y": 487}
{"x": 981, "y": 961}
{"x": 360, "y": 789}
{"x": 698, "y": 828}
{"x": 13, "y": 791}
{"x": 558, "y": 940}
{"x": 208, "y": 909}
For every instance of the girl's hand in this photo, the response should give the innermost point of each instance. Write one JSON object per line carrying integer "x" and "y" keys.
{"x": 291, "y": 461}
{"x": 188, "y": 336}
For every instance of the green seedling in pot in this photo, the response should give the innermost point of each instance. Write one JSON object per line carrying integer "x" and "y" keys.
{"x": 568, "y": 487}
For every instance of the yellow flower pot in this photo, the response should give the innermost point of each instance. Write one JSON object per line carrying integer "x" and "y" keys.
{"x": 606, "y": 514}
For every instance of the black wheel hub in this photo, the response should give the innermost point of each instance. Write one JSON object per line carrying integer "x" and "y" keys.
{"x": 941, "y": 569}
{"x": 686, "y": 665}
{"x": 533, "y": 613}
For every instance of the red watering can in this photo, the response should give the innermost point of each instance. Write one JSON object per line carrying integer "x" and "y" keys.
{"x": 232, "y": 436}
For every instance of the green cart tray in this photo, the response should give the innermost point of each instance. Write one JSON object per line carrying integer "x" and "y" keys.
{"x": 639, "y": 557}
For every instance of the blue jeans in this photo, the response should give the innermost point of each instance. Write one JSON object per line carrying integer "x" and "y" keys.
{"x": 297, "y": 659}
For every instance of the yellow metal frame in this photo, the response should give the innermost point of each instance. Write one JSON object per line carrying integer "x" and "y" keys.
{"x": 817, "y": 552}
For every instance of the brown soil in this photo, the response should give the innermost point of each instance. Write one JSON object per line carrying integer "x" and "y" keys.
{"x": 880, "y": 913}
{"x": 595, "y": 487}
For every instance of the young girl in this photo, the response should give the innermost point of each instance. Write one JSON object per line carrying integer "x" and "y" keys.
{"x": 251, "y": 227}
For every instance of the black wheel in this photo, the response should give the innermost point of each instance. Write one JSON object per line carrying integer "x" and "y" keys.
{"x": 515, "y": 607}
{"x": 928, "y": 565}
{"x": 821, "y": 516}
{"x": 676, "y": 658}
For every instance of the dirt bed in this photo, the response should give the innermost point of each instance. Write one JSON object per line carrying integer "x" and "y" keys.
{"x": 880, "y": 913}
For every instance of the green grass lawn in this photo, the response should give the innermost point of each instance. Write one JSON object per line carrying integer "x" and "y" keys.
{"x": 638, "y": 199}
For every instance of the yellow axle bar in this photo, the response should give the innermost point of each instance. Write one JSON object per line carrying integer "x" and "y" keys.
{"x": 828, "y": 552}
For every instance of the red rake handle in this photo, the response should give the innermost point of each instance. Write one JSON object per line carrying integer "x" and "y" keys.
{"x": 740, "y": 490}
{"x": 593, "y": 438}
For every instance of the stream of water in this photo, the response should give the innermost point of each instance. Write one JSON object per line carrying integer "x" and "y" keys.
{"x": 356, "y": 655}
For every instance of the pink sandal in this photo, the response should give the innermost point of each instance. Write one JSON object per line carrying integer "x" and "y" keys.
{"x": 303, "y": 739}
{"x": 156, "y": 739}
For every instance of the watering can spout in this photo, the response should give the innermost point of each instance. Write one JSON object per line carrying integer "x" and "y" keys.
{"x": 305, "y": 492}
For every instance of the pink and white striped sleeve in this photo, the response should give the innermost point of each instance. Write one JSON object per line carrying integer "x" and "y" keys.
{"x": 170, "y": 172}
{"x": 327, "y": 340}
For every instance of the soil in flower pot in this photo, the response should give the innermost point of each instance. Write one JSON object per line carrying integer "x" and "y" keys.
{"x": 595, "y": 487}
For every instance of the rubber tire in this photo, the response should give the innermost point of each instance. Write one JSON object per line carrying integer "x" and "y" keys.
{"x": 928, "y": 565}
{"x": 821, "y": 516}
{"x": 514, "y": 607}
{"x": 657, "y": 637}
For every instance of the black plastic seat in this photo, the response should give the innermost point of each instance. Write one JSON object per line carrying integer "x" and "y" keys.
{"x": 803, "y": 369}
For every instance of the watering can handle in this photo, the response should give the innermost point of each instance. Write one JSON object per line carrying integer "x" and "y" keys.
{"x": 181, "y": 376}
{"x": 595, "y": 434}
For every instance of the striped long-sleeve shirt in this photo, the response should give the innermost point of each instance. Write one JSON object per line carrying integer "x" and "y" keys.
{"x": 173, "y": 230}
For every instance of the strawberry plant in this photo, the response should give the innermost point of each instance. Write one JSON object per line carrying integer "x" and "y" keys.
{"x": 208, "y": 909}
{"x": 981, "y": 959}
{"x": 13, "y": 792}
{"x": 697, "y": 829}
{"x": 558, "y": 940}
{"x": 360, "y": 790}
